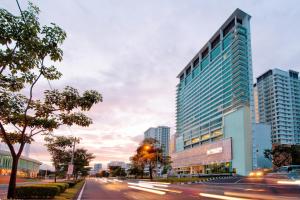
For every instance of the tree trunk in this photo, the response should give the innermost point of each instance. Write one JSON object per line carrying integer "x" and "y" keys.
{"x": 55, "y": 172}
{"x": 150, "y": 171}
{"x": 13, "y": 176}
{"x": 142, "y": 172}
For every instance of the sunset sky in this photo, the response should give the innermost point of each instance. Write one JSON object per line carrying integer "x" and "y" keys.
{"x": 131, "y": 52}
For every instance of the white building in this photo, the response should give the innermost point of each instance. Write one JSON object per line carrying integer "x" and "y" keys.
{"x": 117, "y": 164}
{"x": 278, "y": 94}
{"x": 97, "y": 167}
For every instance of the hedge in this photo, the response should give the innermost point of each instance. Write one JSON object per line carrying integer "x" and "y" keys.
{"x": 37, "y": 191}
{"x": 43, "y": 191}
{"x": 62, "y": 186}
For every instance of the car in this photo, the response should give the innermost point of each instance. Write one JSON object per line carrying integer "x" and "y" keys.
{"x": 259, "y": 172}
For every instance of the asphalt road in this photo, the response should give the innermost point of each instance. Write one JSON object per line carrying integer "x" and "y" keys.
{"x": 231, "y": 189}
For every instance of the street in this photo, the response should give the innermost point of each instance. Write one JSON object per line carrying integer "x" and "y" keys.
{"x": 240, "y": 189}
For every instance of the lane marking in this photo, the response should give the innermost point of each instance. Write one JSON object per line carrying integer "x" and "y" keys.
{"x": 148, "y": 190}
{"x": 81, "y": 191}
{"x": 221, "y": 197}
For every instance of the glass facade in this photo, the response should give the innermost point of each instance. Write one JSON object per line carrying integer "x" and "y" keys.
{"x": 220, "y": 82}
{"x": 214, "y": 104}
{"x": 26, "y": 167}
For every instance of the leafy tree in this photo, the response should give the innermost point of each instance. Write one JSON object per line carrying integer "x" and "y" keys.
{"x": 56, "y": 146}
{"x": 102, "y": 173}
{"x": 28, "y": 52}
{"x": 117, "y": 171}
{"x": 147, "y": 154}
{"x": 82, "y": 160}
{"x": 281, "y": 155}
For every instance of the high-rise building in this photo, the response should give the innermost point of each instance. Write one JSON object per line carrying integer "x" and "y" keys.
{"x": 279, "y": 104}
{"x": 214, "y": 103}
{"x": 162, "y": 135}
{"x": 97, "y": 167}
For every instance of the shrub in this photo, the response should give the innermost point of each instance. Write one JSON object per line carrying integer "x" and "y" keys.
{"x": 71, "y": 183}
{"x": 62, "y": 186}
{"x": 45, "y": 191}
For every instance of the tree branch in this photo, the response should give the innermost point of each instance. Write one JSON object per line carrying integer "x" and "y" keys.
{"x": 30, "y": 99}
{"x": 33, "y": 134}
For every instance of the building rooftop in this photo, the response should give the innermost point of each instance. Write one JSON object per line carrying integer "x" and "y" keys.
{"x": 7, "y": 153}
{"x": 239, "y": 13}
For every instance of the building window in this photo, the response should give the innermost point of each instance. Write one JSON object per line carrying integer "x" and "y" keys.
{"x": 228, "y": 27}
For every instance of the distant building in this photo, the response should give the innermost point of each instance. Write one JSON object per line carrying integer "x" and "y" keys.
{"x": 121, "y": 164}
{"x": 27, "y": 167}
{"x": 261, "y": 142}
{"x": 97, "y": 167}
{"x": 278, "y": 103}
{"x": 162, "y": 135}
{"x": 214, "y": 103}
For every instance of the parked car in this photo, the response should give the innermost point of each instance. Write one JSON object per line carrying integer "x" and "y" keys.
{"x": 286, "y": 172}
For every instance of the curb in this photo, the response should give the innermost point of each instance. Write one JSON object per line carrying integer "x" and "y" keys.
{"x": 205, "y": 180}
{"x": 79, "y": 192}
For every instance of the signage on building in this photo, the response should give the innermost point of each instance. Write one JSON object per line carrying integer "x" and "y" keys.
{"x": 217, "y": 152}
{"x": 214, "y": 150}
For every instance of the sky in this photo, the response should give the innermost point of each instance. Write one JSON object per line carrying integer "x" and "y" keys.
{"x": 132, "y": 50}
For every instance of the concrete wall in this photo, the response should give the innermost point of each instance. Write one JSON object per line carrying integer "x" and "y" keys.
{"x": 237, "y": 125}
{"x": 261, "y": 141}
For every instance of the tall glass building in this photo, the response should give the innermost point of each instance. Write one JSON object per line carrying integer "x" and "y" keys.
{"x": 278, "y": 94}
{"x": 214, "y": 102}
{"x": 162, "y": 135}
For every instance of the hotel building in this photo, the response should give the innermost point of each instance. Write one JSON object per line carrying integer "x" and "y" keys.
{"x": 214, "y": 104}
{"x": 278, "y": 104}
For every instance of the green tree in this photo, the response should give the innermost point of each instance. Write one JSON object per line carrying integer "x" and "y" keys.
{"x": 28, "y": 52}
{"x": 82, "y": 159}
{"x": 137, "y": 166}
{"x": 57, "y": 147}
{"x": 117, "y": 171}
{"x": 148, "y": 154}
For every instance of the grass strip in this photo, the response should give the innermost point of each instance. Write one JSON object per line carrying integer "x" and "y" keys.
{"x": 70, "y": 193}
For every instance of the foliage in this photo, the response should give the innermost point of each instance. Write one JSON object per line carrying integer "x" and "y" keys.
{"x": 28, "y": 52}
{"x": 56, "y": 146}
{"x": 42, "y": 191}
{"x": 71, "y": 192}
{"x": 102, "y": 173}
{"x": 37, "y": 191}
{"x": 281, "y": 155}
{"x": 62, "y": 186}
{"x": 82, "y": 159}
{"x": 147, "y": 154}
{"x": 117, "y": 171}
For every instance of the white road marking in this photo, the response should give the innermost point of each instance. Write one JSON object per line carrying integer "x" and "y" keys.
{"x": 80, "y": 194}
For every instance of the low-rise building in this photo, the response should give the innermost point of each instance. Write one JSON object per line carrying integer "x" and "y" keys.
{"x": 27, "y": 167}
